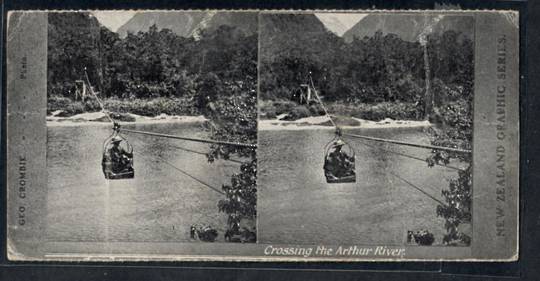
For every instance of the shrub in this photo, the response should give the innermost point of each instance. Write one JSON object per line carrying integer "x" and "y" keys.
{"x": 284, "y": 107}
{"x": 316, "y": 109}
{"x": 55, "y": 103}
{"x": 72, "y": 109}
{"x": 298, "y": 112}
{"x": 91, "y": 105}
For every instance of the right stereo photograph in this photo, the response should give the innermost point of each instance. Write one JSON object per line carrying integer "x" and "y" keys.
{"x": 365, "y": 128}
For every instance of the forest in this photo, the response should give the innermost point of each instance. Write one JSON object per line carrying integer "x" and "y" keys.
{"x": 173, "y": 72}
{"x": 370, "y": 78}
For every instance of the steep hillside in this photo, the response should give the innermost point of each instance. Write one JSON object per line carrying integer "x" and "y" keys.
{"x": 245, "y": 21}
{"x": 187, "y": 24}
{"x": 181, "y": 23}
{"x": 408, "y": 27}
{"x": 293, "y": 35}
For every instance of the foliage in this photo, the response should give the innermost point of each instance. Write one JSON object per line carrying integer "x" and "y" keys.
{"x": 458, "y": 207}
{"x": 234, "y": 118}
{"x": 454, "y": 128}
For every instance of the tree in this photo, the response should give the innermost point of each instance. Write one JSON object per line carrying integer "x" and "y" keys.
{"x": 452, "y": 117}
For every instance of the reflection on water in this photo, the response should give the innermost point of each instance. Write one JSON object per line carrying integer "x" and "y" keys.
{"x": 159, "y": 204}
{"x": 296, "y": 205}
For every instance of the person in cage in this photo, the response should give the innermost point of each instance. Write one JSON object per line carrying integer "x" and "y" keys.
{"x": 120, "y": 158}
{"x": 339, "y": 164}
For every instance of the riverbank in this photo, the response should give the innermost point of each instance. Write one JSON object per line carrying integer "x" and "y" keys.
{"x": 323, "y": 122}
{"x": 100, "y": 118}
{"x": 152, "y": 107}
{"x": 291, "y": 111}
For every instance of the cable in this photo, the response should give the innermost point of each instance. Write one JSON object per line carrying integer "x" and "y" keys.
{"x": 321, "y": 103}
{"x": 417, "y": 188}
{"x": 186, "y": 173}
{"x": 409, "y": 144}
{"x": 410, "y": 156}
{"x": 192, "y": 177}
{"x": 97, "y": 98}
{"x": 191, "y": 139}
{"x": 202, "y": 153}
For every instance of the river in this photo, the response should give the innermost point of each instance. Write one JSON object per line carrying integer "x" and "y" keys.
{"x": 158, "y": 205}
{"x": 297, "y": 206}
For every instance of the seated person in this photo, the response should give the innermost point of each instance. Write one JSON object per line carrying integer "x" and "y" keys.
{"x": 338, "y": 164}
{"x": 120, "y": 158}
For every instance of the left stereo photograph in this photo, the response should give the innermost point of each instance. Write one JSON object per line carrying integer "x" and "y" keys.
{"x": 150, "y": 127}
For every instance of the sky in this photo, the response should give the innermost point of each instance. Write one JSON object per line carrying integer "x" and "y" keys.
{"x": 339, "y": 23}
{"x": 113, "y": 19}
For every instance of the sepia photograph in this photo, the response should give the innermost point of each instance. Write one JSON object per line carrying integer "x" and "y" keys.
{"x": 262, "y": 135}
{"x": 365, "y": 128}
{"x": 151, "y": 126}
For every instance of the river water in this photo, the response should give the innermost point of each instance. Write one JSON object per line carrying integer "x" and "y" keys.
{"x": 159, "y": 204}
{"x": 297, "y": 206}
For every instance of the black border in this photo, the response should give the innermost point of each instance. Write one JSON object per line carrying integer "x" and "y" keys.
{"x": 526, "y": 268}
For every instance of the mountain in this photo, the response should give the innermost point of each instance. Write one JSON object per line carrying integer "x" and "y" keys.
{"x": 409, "y": 27}
{"x": 190, "y": 23}
{"x": 333, "y": 24}
{"x": 181, "y": 23}
{"x": 339, "y": 23}
{"x": 293, "y": 34}
{"x": 245, "y": 21}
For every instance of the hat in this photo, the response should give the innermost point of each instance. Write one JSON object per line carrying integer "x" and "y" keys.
{"x": 339, "y": 143}
{"x": 116, "y": 139}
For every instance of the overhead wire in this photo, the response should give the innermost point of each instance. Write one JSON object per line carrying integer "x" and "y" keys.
{"x": 215, "y": 189}
{"x": 101, "y": 104}
{"x": 321, "y": 102}
{"x": 249, "y": 145}
{"x": 203, "y": 153}
{"x": 417, "y": 188}
{"x": 434, "y": 147}
{"x": 410, "y": 156}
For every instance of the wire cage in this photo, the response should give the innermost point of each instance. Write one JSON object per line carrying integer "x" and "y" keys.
{"x": 339, "y": 161}
{"x": 117, "y": 162}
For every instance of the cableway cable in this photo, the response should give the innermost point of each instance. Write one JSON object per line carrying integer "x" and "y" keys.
{"x": 409, "y": 156}
{"x": 249, "y": 145}
{"x": 202, "y": 153}
{"x": 417, "y": 188}
{"x": 321, "y": 102}
{"x": 97, "y": 98}
{"x": 434, "y": 147}
{"x": 160, "y": 158}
